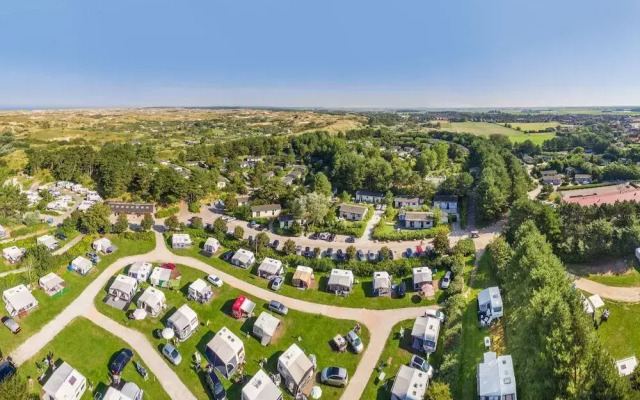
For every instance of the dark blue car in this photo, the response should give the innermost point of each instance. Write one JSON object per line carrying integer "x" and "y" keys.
{"x": 216, "y": 386}
{"x": 6, "y": 370}
{"x": 121, "y": 361}
{"x": 409, "y": 253}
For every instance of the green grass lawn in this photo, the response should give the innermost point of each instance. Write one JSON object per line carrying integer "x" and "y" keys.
{"x": 50, "y": 307}
{"x": 486, "y": 129}
{"x": 473, "y": 336}
{"x": 361, "y": 296}
{"x": 533, "y": 126}
{"x": 89, "y": 349}
{"x": 628, "y": 277}
{"x": 316, "y": 332}
{"x": 399, "y": 350}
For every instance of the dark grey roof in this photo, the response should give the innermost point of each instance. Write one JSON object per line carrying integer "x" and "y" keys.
{"x": 266, "y": 207}
{"x": 350, "y": 208}
{"x": 368, "y": 193}
{"x": 449, "y": 198}
{"x": 132, "y": 208}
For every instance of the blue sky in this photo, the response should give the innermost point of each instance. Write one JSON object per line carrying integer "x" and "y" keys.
{"x": 412, "y": 53}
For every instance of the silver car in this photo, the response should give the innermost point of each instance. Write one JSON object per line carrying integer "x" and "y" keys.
{"x": 171, "y": 354}
{"x": 355, "y": 342}
{"x": 334, "y": 376}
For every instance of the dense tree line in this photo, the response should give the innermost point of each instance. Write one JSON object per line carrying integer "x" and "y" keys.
{"x": 580, "y": 233}
{"x": 554, "y": 346}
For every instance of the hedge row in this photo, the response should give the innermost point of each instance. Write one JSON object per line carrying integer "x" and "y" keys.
{"x": 379, "y": 233}
{"x": 167, "y": 212}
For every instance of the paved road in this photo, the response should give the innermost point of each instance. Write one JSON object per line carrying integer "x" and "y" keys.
{"x": 379, "y": 322}
{"x": 15, "y": 271}
{"x": 623, "y": 294}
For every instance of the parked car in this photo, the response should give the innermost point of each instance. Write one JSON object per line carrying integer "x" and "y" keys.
{"x": 313, "y": 236}
{"x": 446, "y": 280}
{"x": 360, "y": 255}
{"x": 340, "y": 255}
{"x": 227, "y": 256}
{"x": 11, "y": 324}
{"x": 355, "y": 342}
{"x": 391, "y": 255}
{"x": 121, "y": 361}
{"x": 435, "y": 314}
{"x": 250, "y": 239}
{"x": 329, "y": 253}
{"x": 334, "y": 376}
{"x": 350, "y": 239}
{"x": 215, "y": 385}
{"x": 171, "y": 354}
{"x": 371, "y": 255}
{"x": 421, "y": 364}
{"x": 307, "y": 251}
{"x": 299, "y": 250}
{"x": 230, "y": 218}
{"x": 332, "y": 237}
{"x": 275, "y": 244}
{"x": 214, "y": 280}
{"x": 474, "y": 234}
{"x": 409, "y": 252}
{"x": 401, "y": 289}
{"x": 252, "y": 224}
{"x": 276, "y": 283}
{"x": 61, "y": 236}
{"x": 278, "y": 307}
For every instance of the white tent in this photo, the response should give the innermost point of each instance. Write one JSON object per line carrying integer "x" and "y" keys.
{"x": 265, "y": 327}
{"x": 18, "y": 299}
{"x": 140, "y": 270}
{"x": 152, "y": 301}
{"x": 102, "y": 245}
{"x": 81, "y": 265}
{"x": 261, "y": 387}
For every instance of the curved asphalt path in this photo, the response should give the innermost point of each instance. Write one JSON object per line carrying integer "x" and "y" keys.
{"x": 379, "y": 322}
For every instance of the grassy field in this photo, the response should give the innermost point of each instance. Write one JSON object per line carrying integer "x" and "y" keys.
{"x": 533, "y": 126}
{"x": 50, "y": 307}
{"x": 399, "y": 350}
{"x": 620, "y": 333}
{"x": 216, "y": 314}
{"x": 89, "y": 349}
{"x": 609, "y": 271}
{"x": 486, "y": 129}
{"x": 361, "y": 296}
{"x": 473, "y": 336}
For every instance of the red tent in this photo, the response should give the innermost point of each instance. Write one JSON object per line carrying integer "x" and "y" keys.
{"x": 236, "y": 309}
{"x": 419, "y": 249}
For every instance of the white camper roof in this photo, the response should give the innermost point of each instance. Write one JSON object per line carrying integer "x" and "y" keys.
{"x": 152, "y": 296}
{"x": 410, "y": 384}
{"x": 270, "y": 266}
{"x": 626, "y": 365}
{"x": 261, "y": 387}
{"x": 124, "y": 283}
{"x": 242, "y": 255}
{"x": 225, "y": 344}
{"x": 490, "y": 295}
{"x": 495, "y": 375}
{"x": 199, "y": 286}
{"x": 426, "y": 328}
{"x": 64, "y": 382}
{"x": 50, "y": 281}
{"x": 183, "y": 317}
{"x": 267, "y": 323}
{"x": 295, "y": 362}
{"x": 381, "y": 279}
{"x": 19, "y": 297}
{"x": 341, "y": 277}
{"x": 422, "y": 274}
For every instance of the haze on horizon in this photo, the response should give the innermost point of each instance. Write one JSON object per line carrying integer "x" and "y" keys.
{"x": 72, "y": 53}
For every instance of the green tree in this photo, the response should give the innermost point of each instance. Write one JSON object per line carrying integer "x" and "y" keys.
{"x": 262, "y": 240}
{"x": 289, "y": 247}
{"x": 196, "y": 223}
{"x": 313, "y": 206}
{"x": 96, "y": 219}
{"x": 172, "y": 223}
{"x": 441, "y": 239}
{"x": 386, "y": 253}
{"x": 321, "y": 184}
{"x": 238, "y": 232}
{"x": 147, "y": 222}
{"x": 220, "y": 226}
{"x": 12, "y": 201}
{"x": 350, "y": 253}
{"x": 40, "y": 259}
{"x": 14, "y": 388}
{"x": 121, "y": 225}
{"x": 388, "y": 198}
{"x": 438, "y": 391}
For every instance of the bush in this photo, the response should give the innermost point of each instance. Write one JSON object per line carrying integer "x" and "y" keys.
{"x": 166, "y": 212}
{"x": 450, "y": 370}
{"x": 139, "y": 236}
{"x": 194, "y": 207}
{"x": 380, "y": 233}
{"x": 465, "y": 247}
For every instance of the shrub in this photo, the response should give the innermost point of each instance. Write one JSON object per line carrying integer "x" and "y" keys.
{"x": 456, "y": 286}
{"x": 465, "y": 247}
{"x": 380, "y": 233}
{"x": 166, "y": 212}
{"x": 450, "y": 370}
{"x": 194, "y": 207}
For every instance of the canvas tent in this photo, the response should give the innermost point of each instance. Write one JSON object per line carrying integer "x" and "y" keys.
{"x": 52, "y": 284}
{"x": 265, "y": 327}
{"x": 340, "y": 281}
{"x": 242, "y": 307}
{"x": 183, "y": 322}
{"x": 65, "y": 383}
{"x": 226, "y": 352}
{"x": 48, "y": 241}
{"x": 296, "y": 369}
{"x": 140, "y": 271}
{"x": 424, "y": 335}
{"x": 152, "y": 301}
{"x": 211, "y": 245}
{"x": 243, "y": 258}
{"x": 123, "y": 287}
{"x": 166, "y": 276}
{"x": 81, "y": 265}
{"x": 200, "y": 291}
{"x": 270, "y": 268}
{"x": 381, "y": 283}
{"x": 13, "y": 254}
{"x": 302, "y": 277}
{"x": 261, "y": 387}
{"x": 180, "y": 241}
{"x": 103, "y": 245}
{"x": 410, "y": 384}
{"x": 18, "y": 300}
{"x": 421, "y": 275}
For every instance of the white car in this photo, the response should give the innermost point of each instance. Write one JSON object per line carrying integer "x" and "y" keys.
{"x": 435, "y": 314}
{"x": 355, "y": 342}
{"x": 214, "y": 280}
{"x": 446, "y": 280}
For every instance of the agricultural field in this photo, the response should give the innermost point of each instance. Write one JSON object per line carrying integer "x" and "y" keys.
{"x": 533, "y": 126}
{"x": 486, "y": 129}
